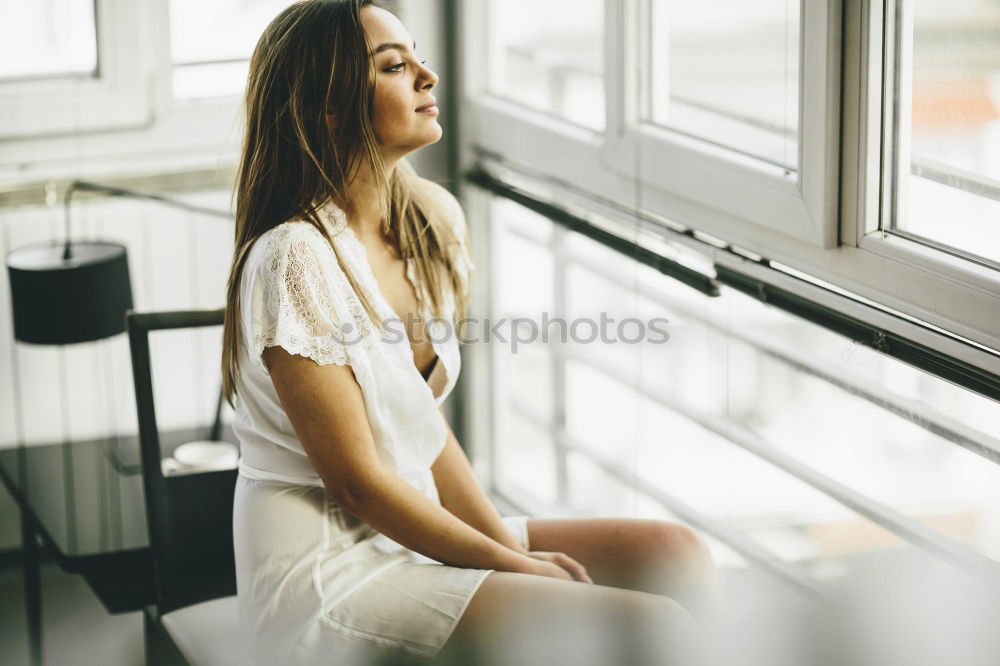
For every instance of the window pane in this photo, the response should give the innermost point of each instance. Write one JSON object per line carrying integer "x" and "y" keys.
{"x": 526, "y": 463}
{"x": 211, "y": 42}
{"x": 47, "y": 39}
{"x": 553, "y": 62}
{"x": 950, "y": 193}
{"x": 727, "y": 72}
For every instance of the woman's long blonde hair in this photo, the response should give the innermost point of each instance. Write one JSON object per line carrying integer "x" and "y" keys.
{"x": 312, "y": 64}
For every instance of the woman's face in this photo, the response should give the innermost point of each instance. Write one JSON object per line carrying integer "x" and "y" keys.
{"x": 402, "y": 85}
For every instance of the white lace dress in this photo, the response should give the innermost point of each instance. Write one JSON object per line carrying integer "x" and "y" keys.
{"x": 315, "y": 584}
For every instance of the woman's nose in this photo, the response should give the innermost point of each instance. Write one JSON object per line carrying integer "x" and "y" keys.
{"x": 429, "y": 80}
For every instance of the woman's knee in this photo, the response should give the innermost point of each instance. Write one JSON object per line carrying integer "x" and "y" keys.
{"x": 677, "y": 556}
{"x": 680, "y": 542}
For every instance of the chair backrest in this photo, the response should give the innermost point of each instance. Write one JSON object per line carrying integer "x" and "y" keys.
{"x": 189, "y": 516}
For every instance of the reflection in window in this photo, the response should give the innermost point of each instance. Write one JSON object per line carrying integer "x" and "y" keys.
{"x": 950, "y": 194}
{"x": 727, "y": 71}
{"x": 211, "y": 43}
{"x": 50, "y": 39}
{"x": 549, "y": 55}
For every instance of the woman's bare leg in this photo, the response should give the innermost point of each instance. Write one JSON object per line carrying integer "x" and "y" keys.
{"x": 654, "y": 556}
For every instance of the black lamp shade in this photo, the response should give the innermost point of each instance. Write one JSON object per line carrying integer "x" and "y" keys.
{"x": 60, "y": 301}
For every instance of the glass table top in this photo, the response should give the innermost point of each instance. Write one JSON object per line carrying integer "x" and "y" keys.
{"x": 87, "y": 496}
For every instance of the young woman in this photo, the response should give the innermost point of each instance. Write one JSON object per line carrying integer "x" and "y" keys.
{"x": 358, "y": 522}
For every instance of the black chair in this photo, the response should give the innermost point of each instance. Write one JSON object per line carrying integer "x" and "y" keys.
{"x": 194, "y": 619}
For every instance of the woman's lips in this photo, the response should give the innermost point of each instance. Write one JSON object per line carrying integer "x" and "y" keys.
{"x": 430, "y": 106}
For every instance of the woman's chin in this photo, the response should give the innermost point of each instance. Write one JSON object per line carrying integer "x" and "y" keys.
{"x": 435, "y": 136}
{"x": 425, "y": 139}
{"x": 438, "y": 131}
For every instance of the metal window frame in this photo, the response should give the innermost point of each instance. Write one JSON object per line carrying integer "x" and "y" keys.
{"x": 891, "y": 340}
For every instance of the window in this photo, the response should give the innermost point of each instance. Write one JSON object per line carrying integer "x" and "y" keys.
{"x": 734, "y": 139}
{"x": 948, "y": 119}
{"x": 47, "y": 40}
{"x": 848, "y": 145}
{"x": 552, "y": 62}
{"x": 796, "y": 145}
{"x": 828, "y": 467}
{"x": 919, "y": 200}
{"x": 727, "y": 72}
{"x": 70, "y": 66}
{"x": 133, "y": 83}
{"x": 211, "y": 43}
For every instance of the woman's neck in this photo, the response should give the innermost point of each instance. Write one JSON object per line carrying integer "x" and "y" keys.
{"x": 366, "y": 222}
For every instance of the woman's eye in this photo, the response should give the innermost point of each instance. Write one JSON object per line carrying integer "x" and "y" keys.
{"x": 399, "y": 67}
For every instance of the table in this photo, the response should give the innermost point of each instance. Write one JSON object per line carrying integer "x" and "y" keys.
{"x": 86, "y": 502}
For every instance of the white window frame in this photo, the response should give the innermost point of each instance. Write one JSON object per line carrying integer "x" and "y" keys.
{"x": 958, "y": 297}
{"x": 507, "y": 127}
{"x": 115, "y": 98}
{"x": 954, "y": 293}
{"x": 801, "y": 204}
{"x": 168, "y": 134}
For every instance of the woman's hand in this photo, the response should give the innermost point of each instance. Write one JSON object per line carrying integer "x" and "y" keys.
{"x": 557, "y": 565}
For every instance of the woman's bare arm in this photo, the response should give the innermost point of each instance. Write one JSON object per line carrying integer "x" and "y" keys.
{"x": 462, "y": 494}
{"x": 458, "y": 487}
{"x": 326, "y": 408}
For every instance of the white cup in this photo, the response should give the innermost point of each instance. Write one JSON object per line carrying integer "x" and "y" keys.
{"x": 201, "y": 456}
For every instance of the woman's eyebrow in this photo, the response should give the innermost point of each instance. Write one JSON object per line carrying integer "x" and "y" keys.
{"x": 392, "y": 45}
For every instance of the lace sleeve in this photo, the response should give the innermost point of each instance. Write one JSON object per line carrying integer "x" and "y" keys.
{"x": 299, "y": 300}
